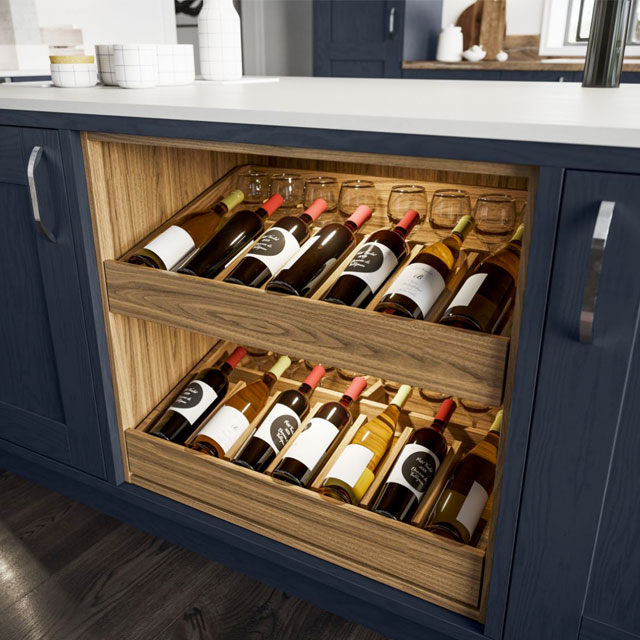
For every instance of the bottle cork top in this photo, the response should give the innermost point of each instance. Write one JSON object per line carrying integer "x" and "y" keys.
{"x": 317, "y": 207}
{"x": 409, "y": 220}
{"x": 360, "y": 215}
{"x": 314, "y": 376}
{"x": 446, "y": 411}
{"x": 233, "y": 199}
{"x": 235, "y": 357}
{"x": 465, "y": 224}
{"x": 281, "y": 365}
{"x": 272, "y": 203}
{"x": 356, "y": 387}
{"x": 497, "y": 422}
{"x": 401, "y": 395}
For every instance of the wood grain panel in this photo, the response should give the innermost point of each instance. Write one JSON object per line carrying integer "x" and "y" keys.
{"x": 451, "y": 360}
{"x": 419, "y": 563}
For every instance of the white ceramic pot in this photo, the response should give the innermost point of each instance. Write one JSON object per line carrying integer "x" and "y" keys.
{"x": 136, "y": 65}
{"x": 450, "y": 44}
{"x": 106, "y": 68}
{"x": 175, "y": 64}
{"x": 220, "y": 41}
{"x": 74, "y": 75}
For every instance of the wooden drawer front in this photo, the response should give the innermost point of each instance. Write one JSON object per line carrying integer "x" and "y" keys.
{"x": 396, "y": 554}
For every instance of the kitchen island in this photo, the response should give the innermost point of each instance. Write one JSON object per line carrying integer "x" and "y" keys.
{"x": 118, "y": 339}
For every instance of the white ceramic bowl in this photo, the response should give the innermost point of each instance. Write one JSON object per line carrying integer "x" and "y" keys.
{"x": 136, "y": 65}
{"x": 106, "y": 68}
{"x": 175, "y": 64}
{"x": 74, "y": 75}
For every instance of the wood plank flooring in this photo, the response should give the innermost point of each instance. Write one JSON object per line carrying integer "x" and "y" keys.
{"x": 68, "y": 572}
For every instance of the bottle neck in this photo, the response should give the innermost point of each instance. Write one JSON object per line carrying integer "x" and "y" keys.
{"x": 269, "y": 379}
{"x": 438, "y": 425}
{"x": 306, "y": 218}
{"x": 226, "y": 368}
{"x": 305, "y": 389}
{"x": 262, "y": 213}
{"x": 401, "y": 231}
{"x": 352, "y": 226}
{"x": 346, "y": 401}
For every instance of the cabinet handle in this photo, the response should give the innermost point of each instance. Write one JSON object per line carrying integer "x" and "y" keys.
{"x": 392, "y": 21}
{"x": 596, "y": 255}
{"x": 34, "y": 160}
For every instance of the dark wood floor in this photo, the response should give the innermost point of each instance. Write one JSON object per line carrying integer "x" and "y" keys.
{"x": 68, "y": 572}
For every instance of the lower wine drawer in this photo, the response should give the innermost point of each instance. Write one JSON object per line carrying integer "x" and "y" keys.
{"x": 397, "y": 554}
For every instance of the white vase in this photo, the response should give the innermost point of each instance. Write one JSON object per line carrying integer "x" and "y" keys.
{"x": 220, "y": 41}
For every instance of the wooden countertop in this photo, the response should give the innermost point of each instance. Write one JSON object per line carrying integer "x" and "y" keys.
{"x": 509, "y": 65}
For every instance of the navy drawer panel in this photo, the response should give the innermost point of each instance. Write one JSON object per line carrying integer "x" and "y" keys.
{"x": 12, "y": 163}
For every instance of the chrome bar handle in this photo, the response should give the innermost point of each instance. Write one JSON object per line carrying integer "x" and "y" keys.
{"x": 596, "y": 255}
{"x": 34, "y": 160}
{"x": 392, "y": 21}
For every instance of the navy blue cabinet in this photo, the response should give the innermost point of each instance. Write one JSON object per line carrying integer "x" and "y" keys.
{"x": 47, "y": 400}
{"x": 572, "y": 547}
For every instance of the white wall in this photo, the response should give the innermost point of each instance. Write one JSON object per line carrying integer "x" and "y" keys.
{"x": 524, "y": 17}
{"x": 112, "y": 21}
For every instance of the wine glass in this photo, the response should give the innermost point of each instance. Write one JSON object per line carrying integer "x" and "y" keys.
{"x": 495, "y": 216}
{"x": 290, "y": 187}
{"x": 354, "y": 193}
{"x": 403, "y": 197}
{"x": 447, "y": 207}
{"x": 325, "y": 187}
{"x": 255, "y": 185}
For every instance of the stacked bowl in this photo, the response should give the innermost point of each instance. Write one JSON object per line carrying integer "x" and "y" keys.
{"x": 73, "y": 71}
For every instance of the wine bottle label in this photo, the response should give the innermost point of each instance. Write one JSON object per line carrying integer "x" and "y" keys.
{"x": 472, "y": 507}
{"x": 278, "y": 426}
{"x": 351, "y": 463}
{"x": 275, "y": 248}
{"x": 194, "y": 400}
{"x": 172, "y": 245}
{"x": 418, "y": 282}
{"x": 414, "y": 469}
{"x": 225, "y": 427}
{"x": 298, "y": 254}
{"x": 467, "y": 291}
{"x": 372, "y": 264}
{"x": 312, "y": 443}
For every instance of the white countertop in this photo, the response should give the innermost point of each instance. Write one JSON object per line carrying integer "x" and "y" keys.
{"x": 527, "y": 111}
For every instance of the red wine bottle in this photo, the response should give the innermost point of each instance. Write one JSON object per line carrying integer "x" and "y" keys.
{"x": 275, "y": 247}
{"x": 306, "y": 454}
{"x": 306, "y": 271}
{"x": 235, "y": 234}
{"x": 196, "y": 401}
{"x": 282, "y": 421}
{"x": 375, "y": 261}
{"x": 415, "y": 467}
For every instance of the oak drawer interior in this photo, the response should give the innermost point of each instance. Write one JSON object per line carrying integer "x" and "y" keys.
{"x": 160, "y": 325}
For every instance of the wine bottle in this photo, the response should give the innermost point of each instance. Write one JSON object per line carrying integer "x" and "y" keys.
{"x": 196, "y": 401}
{"x": 235, "y": 234}
{"x": 275, "y": 247}
{"x": 305, "y": 272}
{"x": 461, "y": 504}
{"x": 282, "y": 421}
{"x": 175, "y": 243}
{"x": 354, "y": 471}
{"x": 486, "y": 297}
{"x": 305, "y": 455}
{"x": 415, "y": 467}
{"x": 420, "y": 283}
{"x": 374, "y": 262}
{"x": 231, "y": 420}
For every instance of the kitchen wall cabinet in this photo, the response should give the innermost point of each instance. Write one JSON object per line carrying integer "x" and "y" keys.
{"x": 47, "y": 400}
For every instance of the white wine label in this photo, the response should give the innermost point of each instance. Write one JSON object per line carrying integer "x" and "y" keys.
{"x": 225, "y": 427}
{"x": 172, "y": 245}
{"x": 351, "y": 463}
{"x": 414, "y": 469}
{"x": 194, "y": 400}
{"x": 312, "y": 443}
{"x": 298, "y": 254}
{"x": 472, "y": 507}
{"x": 467, "y": 291}
{"x": 419, "y": 282}
{"x": 278, "y": 426}
{"x": 372, "y": 264}
{"x": 274, "y": 248}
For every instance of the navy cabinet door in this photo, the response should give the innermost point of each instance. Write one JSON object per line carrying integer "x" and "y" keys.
{"x": 580, "y": 391}
{"x": 47, "y": 402}
{"x": 358, "y": 38}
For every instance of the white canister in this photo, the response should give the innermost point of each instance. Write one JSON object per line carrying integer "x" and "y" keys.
{"x": 450, "y": 44}
{"x": 220, "y": 41}
{"x": 136, "y": 65}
